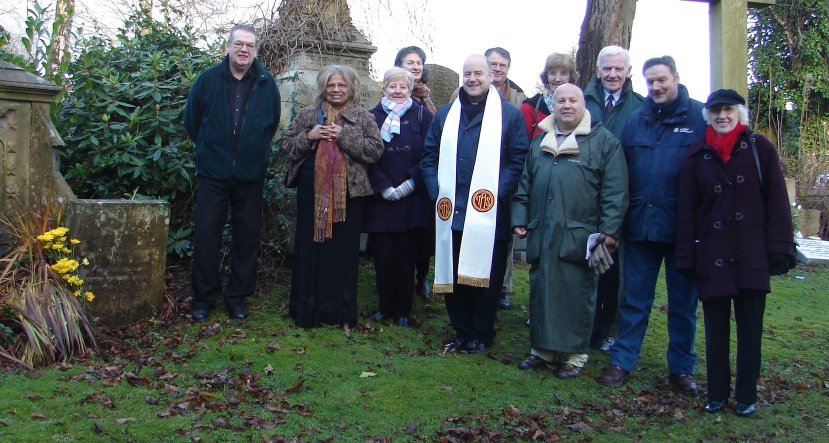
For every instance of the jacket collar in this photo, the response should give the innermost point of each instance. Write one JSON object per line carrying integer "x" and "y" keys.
{"x": 569, "y": 146}
{"x": 670, "y": 113}
{"x": 256, "y": 68}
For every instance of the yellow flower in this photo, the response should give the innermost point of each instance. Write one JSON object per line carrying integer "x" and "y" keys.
{"x": 85, "y": 261}
{"x": 89, "y": 296}
{"x": 61, "y": 239}
{"x": 77, "y": 293}
{"x": 57, "y": 246}
{"x": 74, "y": 241}
{"x": 60, "y": 231}
{"x": 65, "y": 250}
{"x": 66, "y": 276}
{"x": 74, "y": 280}
{"x": 47, "y": 237}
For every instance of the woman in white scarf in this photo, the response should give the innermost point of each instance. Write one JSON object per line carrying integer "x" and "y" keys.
{"x": 399, "y": 211}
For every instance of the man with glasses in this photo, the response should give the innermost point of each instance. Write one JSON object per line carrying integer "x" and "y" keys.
{"x": 499, "y": 62}
{"x": 232, "y": 115}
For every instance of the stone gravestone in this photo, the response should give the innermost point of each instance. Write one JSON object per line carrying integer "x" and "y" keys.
{"x": 125, "y": 240}
{"x": 442, "y": 83}
{"x": 813, "y": 251}
{"x": 307, "y": 36}
{"x": 126, "y": 244}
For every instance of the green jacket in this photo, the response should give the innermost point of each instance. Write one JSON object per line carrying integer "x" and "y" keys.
{"x": 206, "y": 119}
{"x": 561, "y": 200}
{"x": 614, "y": 121}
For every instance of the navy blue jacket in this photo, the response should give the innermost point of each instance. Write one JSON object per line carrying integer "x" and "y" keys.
{"x": 400, "y": 161}
{"x": 207, "y": 121}
{"x": 655, "y": 140}
{"x": 514, "y": 148}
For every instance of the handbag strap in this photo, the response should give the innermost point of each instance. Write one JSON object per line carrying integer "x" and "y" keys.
{"x": 756, "y": 159}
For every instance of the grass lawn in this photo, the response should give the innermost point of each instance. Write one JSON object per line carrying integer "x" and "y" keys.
{"x": 266, "y": 380}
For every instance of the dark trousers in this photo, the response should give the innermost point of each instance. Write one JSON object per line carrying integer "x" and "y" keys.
{"x": 607, "y": 302}
{"x": 394, "y": 263}
{"x": 749, "y": 307}
{"x": 245, "y": 201}
{"x": 472, "y": 310}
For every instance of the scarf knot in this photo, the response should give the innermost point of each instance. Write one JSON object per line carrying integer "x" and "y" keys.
{"x": 723, "y": 145}
{"x": 391, "y": 125}
{"x": 423, "y": 94}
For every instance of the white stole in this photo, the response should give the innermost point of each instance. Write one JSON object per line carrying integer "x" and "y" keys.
{"x": 475, "y": 258}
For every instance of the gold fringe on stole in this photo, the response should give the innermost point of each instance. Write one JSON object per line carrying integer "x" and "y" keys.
{"x": 442, "y": 289}
{"x": 478, "y": 282}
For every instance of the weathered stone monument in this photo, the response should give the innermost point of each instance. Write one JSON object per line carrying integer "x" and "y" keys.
{"x": 307, "y": 36}
{"x": 442, "y": 82}
{"x": 27, "y": 143}
{"x": 125, "y": 240}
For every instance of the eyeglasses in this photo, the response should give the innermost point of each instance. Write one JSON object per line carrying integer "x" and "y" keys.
{"x": 239, "y": 45}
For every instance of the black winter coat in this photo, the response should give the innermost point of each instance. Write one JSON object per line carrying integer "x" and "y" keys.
{"x": 400, "y": 161}
{"x": 206, "y": 121}
{"x": 727, "y": 222}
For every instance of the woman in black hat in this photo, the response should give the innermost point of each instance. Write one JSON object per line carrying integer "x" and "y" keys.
{"x": 734, "y": 222}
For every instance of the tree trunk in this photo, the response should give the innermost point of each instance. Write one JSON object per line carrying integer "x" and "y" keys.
{"x": 606, "y": 22}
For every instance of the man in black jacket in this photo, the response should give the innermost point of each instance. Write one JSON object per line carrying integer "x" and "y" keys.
{"x": 232, "y": 116}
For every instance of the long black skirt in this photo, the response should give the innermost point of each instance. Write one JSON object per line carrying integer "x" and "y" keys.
{"x": 324, "y": 281}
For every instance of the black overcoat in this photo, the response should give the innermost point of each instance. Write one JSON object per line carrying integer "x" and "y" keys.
{"x": 727, "y": 221}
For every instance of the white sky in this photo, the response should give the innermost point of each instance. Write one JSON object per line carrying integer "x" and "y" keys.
{"x": 529, "y": 29}
{"x": 532, "y": 29}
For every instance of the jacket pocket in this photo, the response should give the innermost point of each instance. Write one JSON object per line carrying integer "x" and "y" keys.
{"x": 574, "y": 242}
{"x": 533, "y": 242}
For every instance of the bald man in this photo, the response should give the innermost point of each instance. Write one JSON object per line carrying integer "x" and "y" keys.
{"x": 473, "y": 156}
{"x": 574, "y": 184}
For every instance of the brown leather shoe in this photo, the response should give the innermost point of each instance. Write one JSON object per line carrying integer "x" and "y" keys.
{"x": 614, "y": 376}
{"x": 683, "y": 383}
{"x": 568, "y": 371}
{"x": 532, "y": 362}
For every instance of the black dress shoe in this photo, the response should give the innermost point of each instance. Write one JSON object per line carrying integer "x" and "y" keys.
{"x": 714, "y": 406}
{"x": 683, "y": 383}
{"x": 568, "y": 371}
{"x": 614, "y": 376}
{"x": 403, "y": 322}
{"x": 238, "y": 312}
{"x": 744, "y": 410}
{"x": 532, "y": 362}
{"x": 200, "y": 314}
{"x": 453, "y": 345}
{"x": 473, "y": 347}
{"x": 505, "y": 302}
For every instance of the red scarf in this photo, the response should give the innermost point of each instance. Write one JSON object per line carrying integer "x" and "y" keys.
{"x": 723, "y": 145}
{"x": 329, "y": 185}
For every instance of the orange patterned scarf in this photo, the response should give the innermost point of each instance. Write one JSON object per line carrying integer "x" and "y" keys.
{"x": 329, "y": 182}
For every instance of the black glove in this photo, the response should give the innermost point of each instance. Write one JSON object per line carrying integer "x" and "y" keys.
{"x": 780, "y": 263}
